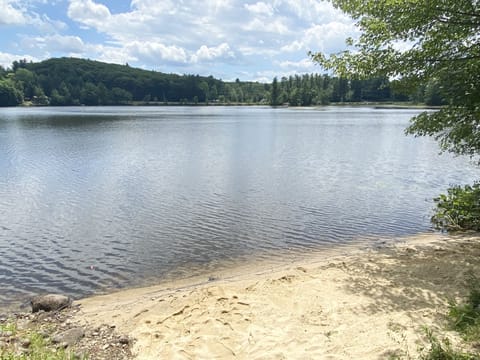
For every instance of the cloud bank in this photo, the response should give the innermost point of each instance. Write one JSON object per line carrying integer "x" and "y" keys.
{"x": 251, "y": 40}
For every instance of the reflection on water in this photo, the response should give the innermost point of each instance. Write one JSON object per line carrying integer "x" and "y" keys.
{"x": 94, "y": 198}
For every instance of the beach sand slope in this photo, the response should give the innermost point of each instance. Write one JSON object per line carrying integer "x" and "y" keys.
{"x": 366, "y": 304}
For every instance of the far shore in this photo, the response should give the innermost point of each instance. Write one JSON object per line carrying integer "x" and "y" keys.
{"x": 359, "y": 302}
{"x": 375, "y": 105}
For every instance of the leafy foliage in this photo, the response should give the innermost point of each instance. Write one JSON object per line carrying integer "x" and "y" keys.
{"x": 459, "y": 209}
{"x": 70, "y": 81}
{"x": 315, "y": 89}
{"x": 9, "y": 94}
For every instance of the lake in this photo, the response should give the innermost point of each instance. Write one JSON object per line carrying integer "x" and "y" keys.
{"x": 109, "y": 197}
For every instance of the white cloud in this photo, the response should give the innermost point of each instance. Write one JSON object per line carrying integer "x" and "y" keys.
{"x": 154, "y": 6}
{"x": 54, "y": 44}
{"x": 293, "y": 46}
{"x": 260, "y": 8}
{"x": 207, "y": 54}
{"x": 251, "y": 36}
{"x": 153, "y": 52}
{"x": 7, "y": 59}
{"x": 265, "y": 76}
{"x": 11, "y": 14}
{"x": 65, "y": 43}
{"x": 303, "y": 65}
{"x": 46, "y": 25}
{"x": 20, "y": 13}
{"x": 328, "y": 38}
{"x": 275, "y": 27}
{"x": 89, "y": 13}
{"x": 314, "y": 11}
{"x": 264, "y": 51}
{"x": 109, "y": 54}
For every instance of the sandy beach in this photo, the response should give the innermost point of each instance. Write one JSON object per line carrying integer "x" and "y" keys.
{"x": 357, "y": 303}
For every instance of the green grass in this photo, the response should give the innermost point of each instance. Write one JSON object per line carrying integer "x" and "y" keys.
{"x": 40, "y": 348}
{"x": 442, "y": 350}
{"x": 465, "y": 319}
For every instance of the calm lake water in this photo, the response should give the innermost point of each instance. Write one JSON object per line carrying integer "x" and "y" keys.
{"x": 98, "y": 198}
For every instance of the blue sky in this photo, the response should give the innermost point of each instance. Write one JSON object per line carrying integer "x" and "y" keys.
{"x": 229, "y": 39}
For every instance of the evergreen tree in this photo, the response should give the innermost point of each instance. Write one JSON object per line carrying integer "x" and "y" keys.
{"x": 274, "y": 95}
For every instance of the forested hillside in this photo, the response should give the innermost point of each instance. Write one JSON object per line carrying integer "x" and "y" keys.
{"x": 71, "y": 81}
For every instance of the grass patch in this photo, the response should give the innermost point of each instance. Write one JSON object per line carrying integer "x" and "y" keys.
{"x": 442, "y": 350}
{"x": 465, "y": 317}
{"x": 30, "y": 345}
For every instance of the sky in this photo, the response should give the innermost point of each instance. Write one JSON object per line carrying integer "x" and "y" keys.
{"x": 228, "y": 39}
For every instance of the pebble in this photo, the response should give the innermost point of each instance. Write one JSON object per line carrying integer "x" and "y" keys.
{"x": 79, "y": 355}
{"x": 43, "y": 333}
{"x": 124, "y": 340}
{"x": 70, "y": 336}
{"x": 26, "y": 343}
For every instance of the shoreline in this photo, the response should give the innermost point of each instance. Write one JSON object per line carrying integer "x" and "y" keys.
{"x": 228, "y": 269}
{"x": 387, "y": 105}
{"x": 356, "y": 302}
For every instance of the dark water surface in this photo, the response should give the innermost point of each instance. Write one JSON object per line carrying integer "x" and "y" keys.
{"x": 95, "y": 198}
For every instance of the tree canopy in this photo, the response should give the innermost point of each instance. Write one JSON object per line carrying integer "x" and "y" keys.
{"x": 70, "y": 81}
{"x": 429, "y": 43}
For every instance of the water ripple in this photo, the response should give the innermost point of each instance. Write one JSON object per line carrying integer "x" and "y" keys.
{"x": 91, "y": 199}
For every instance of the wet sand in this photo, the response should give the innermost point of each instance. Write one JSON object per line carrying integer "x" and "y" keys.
{"x": 360, "y": 303}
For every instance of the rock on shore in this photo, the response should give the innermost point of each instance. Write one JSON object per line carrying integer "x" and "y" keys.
{"x": 50, "y": 302}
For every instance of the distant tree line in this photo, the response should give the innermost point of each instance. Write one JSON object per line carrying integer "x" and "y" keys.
{"x": 71, "y": 81}
{"x": 315, "y": 89}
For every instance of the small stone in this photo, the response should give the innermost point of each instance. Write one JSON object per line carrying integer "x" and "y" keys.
{"x": 42, "y": 316}
{"x": 79, "y": 355}
{"x": 106, "y": 346}
{"x": 70, "y": 336}
{"x": 124, "y": 340}
{"x": 26, "y": 343}
{"x": 76, "y": 356}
